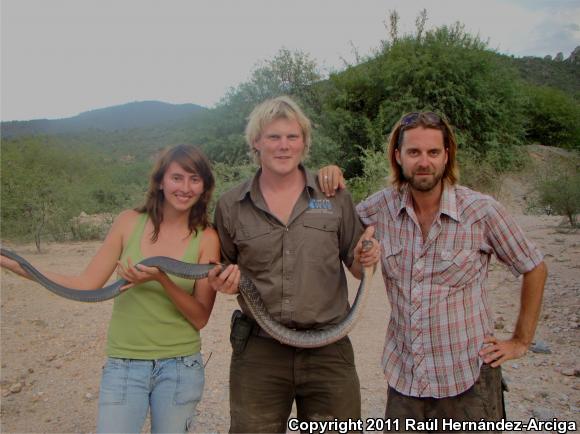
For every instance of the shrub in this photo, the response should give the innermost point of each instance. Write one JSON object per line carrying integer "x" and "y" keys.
{"x": 553, "y": 118}
{"x": 559, "y": 192}
{"x": 374, "y": 176}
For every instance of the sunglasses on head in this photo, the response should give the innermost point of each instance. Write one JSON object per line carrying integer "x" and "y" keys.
{"x": 412, "y": 118}
{"x": 429, "y": 119}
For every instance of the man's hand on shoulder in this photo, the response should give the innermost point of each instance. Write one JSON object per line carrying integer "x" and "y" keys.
{"x": 330, "y": 179}
{"x": 499, "y": 351}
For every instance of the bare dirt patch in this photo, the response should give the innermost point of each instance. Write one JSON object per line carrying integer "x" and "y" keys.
{"x": 53, "y": 349}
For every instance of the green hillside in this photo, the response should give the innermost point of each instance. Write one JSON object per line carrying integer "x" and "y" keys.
{"x": 496, "y": 104}
{"x": 562, "y": 75}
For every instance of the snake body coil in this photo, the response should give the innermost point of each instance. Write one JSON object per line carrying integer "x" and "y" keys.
{"x": 285, "y": 335}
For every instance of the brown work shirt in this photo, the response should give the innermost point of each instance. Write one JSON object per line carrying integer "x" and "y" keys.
{"x": 297, "y": 267}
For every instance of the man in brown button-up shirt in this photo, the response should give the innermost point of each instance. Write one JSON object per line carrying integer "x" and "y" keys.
{"x": 282, "y": 232}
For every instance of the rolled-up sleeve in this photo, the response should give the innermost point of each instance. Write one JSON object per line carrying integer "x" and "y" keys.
{"x": 368, "y": 211}
{"x": 509, "y": 242}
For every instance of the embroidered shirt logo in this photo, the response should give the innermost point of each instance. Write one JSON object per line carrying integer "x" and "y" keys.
{"x": 319, "y": 206}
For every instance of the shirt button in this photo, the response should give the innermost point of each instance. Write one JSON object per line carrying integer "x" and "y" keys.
{"x": 286, "y": 301}
{"x": 419, "y": 264}
{"x": 287, "y": 252}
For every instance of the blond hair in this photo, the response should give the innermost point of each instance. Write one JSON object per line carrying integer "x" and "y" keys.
{"x": 282, "y": 107}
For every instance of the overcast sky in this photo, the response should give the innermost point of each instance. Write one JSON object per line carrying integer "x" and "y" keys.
{"x": 62, "y": 57}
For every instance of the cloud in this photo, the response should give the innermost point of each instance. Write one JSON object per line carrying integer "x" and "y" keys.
{"x": 556, "y": 33}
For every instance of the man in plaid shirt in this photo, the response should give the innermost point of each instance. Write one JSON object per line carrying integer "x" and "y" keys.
{"x": 441, "y": 358}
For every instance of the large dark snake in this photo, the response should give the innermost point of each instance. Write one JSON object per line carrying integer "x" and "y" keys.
{"x": 297, "y": 338}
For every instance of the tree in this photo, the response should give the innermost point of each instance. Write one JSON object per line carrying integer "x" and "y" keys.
{"x": 291, "y": 73}
{"x": 446, "y": 70}
{"x": 32, "y": 198}
{"x": 45, "y": 184}
{"x": 288, "y": 73}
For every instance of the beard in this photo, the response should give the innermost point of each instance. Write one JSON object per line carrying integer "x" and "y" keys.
{"x": 423, "y": 183}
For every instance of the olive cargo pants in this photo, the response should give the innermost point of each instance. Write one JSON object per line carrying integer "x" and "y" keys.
{"x": 267, "y": 376}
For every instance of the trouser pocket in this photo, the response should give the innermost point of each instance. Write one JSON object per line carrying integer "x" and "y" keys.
{"x": 190, "y": 379}
{"x": 113, "y": 388}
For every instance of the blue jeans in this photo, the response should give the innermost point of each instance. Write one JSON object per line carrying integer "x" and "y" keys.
{"x": 170, "y": 388}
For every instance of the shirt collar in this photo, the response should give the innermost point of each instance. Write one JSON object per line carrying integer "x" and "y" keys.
{"x": 449, "y": 201}
{"x": 406, "y": 202}
{"x": 253, "y": 187}
{"x": 311, "y": 182}
{"x": 448, "y": 204}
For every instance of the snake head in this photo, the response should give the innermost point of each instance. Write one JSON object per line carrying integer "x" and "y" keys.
{"x": 366, "y": 245}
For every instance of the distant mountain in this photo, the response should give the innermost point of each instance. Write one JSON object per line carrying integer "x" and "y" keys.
{"x": 141, "y": 114}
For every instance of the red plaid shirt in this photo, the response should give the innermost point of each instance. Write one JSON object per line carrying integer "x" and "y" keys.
{"x": 440, "y": 311}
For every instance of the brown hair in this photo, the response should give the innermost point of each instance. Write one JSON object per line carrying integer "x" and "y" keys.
{"x": 425, "y": 120}
{"x": 191, "y": 159}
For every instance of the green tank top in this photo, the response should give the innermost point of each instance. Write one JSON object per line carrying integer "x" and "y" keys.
{"x": 145, "y": 323}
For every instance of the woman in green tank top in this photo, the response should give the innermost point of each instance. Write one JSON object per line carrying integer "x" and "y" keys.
{"x": 154, "y": 362}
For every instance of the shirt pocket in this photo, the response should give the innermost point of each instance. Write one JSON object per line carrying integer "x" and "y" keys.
{"x": 456, "y": 267}
{"x": 320, "y": 238}
{"x": 255, "y": 245}
{"x": 392, "y": 260}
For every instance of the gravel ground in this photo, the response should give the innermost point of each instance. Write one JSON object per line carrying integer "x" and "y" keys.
{"x": 53, "y": 349}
